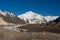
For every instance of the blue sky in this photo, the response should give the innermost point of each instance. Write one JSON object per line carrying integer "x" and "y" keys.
{"x": 44, "y": 7}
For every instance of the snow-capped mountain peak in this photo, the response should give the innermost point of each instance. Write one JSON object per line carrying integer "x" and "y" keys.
{"x": 50, "y": 18}
{"x": 30, "y": 13}
{"x": 31, "y": 17}
{"x": 6, "y": 13}
{"x": 28, "y": 17}
{"x": 7, "y": 17}
{"x": 34, "y": 18}
{"x": 2, "y": 13}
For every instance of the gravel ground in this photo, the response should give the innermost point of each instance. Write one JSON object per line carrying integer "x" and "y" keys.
{"x": 14, "y": 35}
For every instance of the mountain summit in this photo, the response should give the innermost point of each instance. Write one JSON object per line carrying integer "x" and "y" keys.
{"x": 28, "y": 18}
{"x": 9, "y": 18}
{"x": 34, "y": 18}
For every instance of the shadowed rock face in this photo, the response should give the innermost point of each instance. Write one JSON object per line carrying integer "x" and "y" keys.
{"x": 12, "y": 19}
{"x": 57, "y": 20}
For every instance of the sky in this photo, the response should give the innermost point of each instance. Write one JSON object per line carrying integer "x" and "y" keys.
{"x": 43, "y": 7}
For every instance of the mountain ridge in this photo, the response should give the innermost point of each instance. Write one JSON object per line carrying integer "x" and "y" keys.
{"x": 10, "y": 18}
{"x": 27, "y": 18}
{"x": 29, "y": 15}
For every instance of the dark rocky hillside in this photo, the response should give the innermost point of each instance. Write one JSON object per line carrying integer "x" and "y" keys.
{"x": 47, "y": 27}
{"x": 57, "y": 20}
{"x": 12, "y": 19}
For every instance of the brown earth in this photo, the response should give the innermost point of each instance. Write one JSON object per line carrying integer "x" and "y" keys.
{"x": 48, "y": 31}
{"x": 47, "y": 27}
{"x": 13, "y": 35}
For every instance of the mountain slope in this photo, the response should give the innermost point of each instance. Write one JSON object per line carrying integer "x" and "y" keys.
{"x": 34, "y": 18}
{"x": 7, "y": 17}
{"x": 28, "y": 18}
{"x": 51, "y": 18}
{"x": 57, "y": 20}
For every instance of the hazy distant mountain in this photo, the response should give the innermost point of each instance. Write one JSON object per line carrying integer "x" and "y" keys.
{"x": 34, "y": 18}
{"x": 7, "y": 17}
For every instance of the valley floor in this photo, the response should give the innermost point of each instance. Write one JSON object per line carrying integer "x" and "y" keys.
{"x": 8, "y": 34}
{"x": 14, "y": 35}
